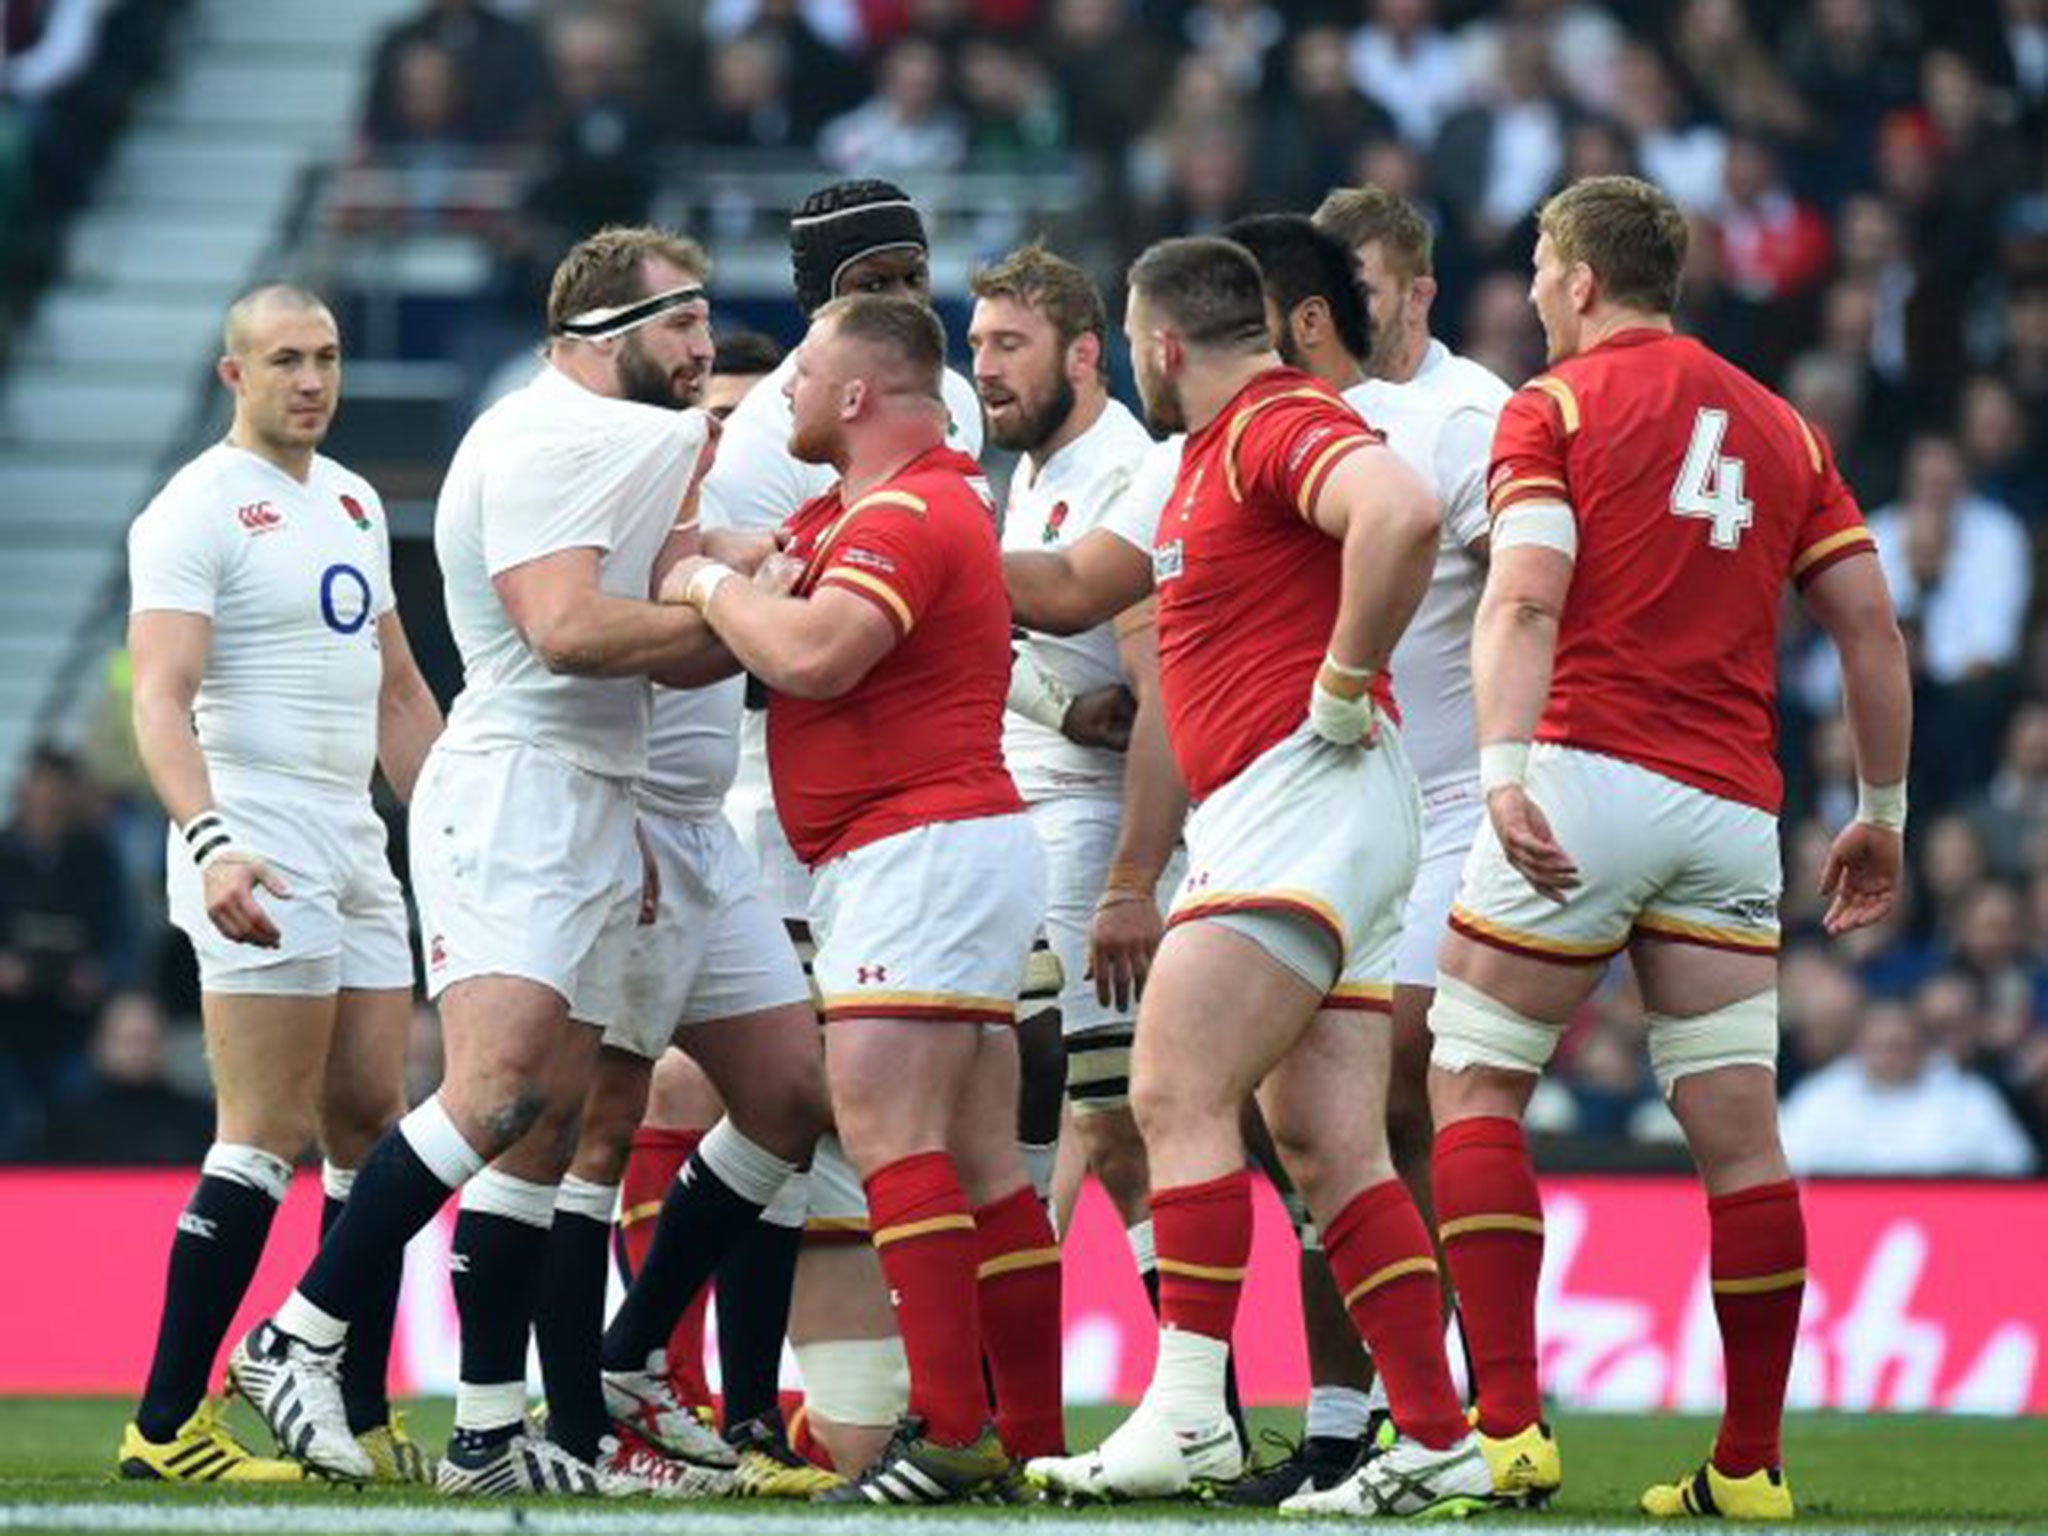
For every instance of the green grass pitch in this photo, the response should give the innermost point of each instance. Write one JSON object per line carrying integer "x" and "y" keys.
{"x": 1850, "y": 1473}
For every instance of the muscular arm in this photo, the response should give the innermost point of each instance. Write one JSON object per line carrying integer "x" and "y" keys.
{"x": 408, "y": 717}
{"x": 1387, "y": 520}
{"x": 1514, "y": 639}
{"x": 700, "y": 657}
{"x": 815, "y": 647}
{"x": 1062, "y": 592}
{"x": 168, "y": 651}
{"x": 1850, "y": 601}
{"x": 577, "y": 628}
{"x": 1125, "y": 931}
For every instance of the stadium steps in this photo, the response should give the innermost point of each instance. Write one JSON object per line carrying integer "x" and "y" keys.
{"x": 111, "y": 386}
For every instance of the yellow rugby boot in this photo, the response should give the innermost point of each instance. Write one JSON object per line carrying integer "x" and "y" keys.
{"x": 396, "y": 1456}
{"x": 1527, "y": 1471}
{"x": 769, "y": 1469}
{"x": 1710, "y": 1494}
{"x": 202, "y": 1451}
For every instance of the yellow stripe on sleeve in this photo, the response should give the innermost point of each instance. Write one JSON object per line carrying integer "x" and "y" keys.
{"x": 1821, "y": 549}
{"x": 1561, "y": 392}
{"x": 867, "y": 581}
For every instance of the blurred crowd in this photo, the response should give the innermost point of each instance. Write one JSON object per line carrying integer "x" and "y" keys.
{"x": 1868, "y": 182}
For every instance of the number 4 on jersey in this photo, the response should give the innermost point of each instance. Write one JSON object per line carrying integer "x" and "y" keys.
{"x": 1710, "y": 486}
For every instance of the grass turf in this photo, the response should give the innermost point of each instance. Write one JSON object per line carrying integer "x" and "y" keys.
{"x": 1879, "y": 1473}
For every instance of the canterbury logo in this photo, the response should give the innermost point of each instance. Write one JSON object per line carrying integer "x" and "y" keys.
{"x": 195, "y": 1226}
{"x": 458, "y": 1263}
{"x": 869, "y": 975}
{"x": 259, "y": 517}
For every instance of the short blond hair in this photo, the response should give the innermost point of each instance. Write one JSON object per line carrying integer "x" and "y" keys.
{"x": 1629, "y": 232}
{"x": 1362, "y": 216}
{"x": 602, "y": 271}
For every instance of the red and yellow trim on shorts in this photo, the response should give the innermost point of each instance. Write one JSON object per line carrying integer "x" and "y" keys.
{"x": 1287, "y": 903}
{"x": 1679, "y": 930}
{"x": 836, "y": 1231}
{"x": 1534, "y": 946}
{"x": 1360, "y": 997}
{"x": 935, "y": 1007}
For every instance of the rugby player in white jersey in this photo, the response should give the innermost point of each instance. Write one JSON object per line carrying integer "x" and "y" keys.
{"x": 272, "y": 675}
{"x": 1109, "y": 821}
{"x": 559, "y": 502}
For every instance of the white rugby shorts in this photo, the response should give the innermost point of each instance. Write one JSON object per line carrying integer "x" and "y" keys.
{"x": 342, "y": 926}
{"x": 1079, "y": 836}
{"x": 838, "y": 1208}
{"x": 1451, "y": 815}
{"x": 785, "y": 884}
{"x": 934, "y": 923}
{"x": 525, "y": 865}
{"x": 714, "y": 949}
{"x": 1323, "y": 838}
{"x": 1657, "y": 859}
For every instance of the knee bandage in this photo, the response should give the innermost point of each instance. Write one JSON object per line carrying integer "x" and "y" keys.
{"x": 1474, "y": 1030}
{"x": 863, "y": 1382}
{"x": 1743, "y": 1034}
{"x": 1099, "y": 1070}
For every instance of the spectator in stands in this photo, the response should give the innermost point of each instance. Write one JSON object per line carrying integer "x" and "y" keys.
{"x": 1402, "y": 61}
{"x": 1774, "y": 253}
{"x": 1851, "y": 61}
{"x": 747, "y": 103}
{"x": 1820, "y": 1004}
{"x": 906, "y": 126}
{"x": 1240, "y": 37}
{"x": 1734, "y": 71}
{"x": 1915, "y": 334}
{"x": 127, "y": 1111}
{"x": 2011, "y": 815}
{"x": 1607, "y": 1079}
{"x": 1209, "y": 185}
{"x": 833, "y": 24}
{"x": 1981, "y": 160}
{"x": 2005, "y": 465}
{"x": 1110, "y": 73}
{"x": 1954, "y": 862}
{"x": 1679, "y": 152}
{"x": 1895, "y": 1107}
{"x": 1500, "y": 329}
{"x": 61, "y": 916}
{"x": 1309, "y": 138}
{"x": 1583, "y": 42}
{"x": 1991, "y": 949}
{"x": 1496, "y": 159}
{"x": 2026, "y": 60}
{"x": 1828, "y": 390}
{"x": 2024, "y": 331}
{"x": 1200, "y": 103}
{"x": 497, "y": 58}
{"x": 1015, "y": 116}
{"x": 813, "y": 41}
{"x": 599, "y": 140}
{"x": 1961, "y": 573}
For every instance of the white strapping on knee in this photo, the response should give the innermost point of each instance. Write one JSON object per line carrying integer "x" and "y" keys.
{"x": 1040, "y": 1158}
{"x": 580, "y": 1197}
{"x": 436, "y": 1142}
{"x": 489, "y": 1405}
{"x": 493, "y": 1193}
{"x": 863, "y": 1382}
{"x": 336, "y": 1182}
{"x": 1144, "y": 1249}
{"x": 1743, "y": 1034}
{"x": 745, "y": 1167}
{"x": 791, "y": 1201}
{"x": 249, "y": 1166}
{"x": 1474, "y": 1030}
{"x": 1099, "y": 1070}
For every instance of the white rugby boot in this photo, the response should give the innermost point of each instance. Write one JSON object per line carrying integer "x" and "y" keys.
{"x": 645, "y": 1405}
{"x": 1146, "y": 1458}
{"x": 516, "y": 1463}
{"x": 296, "y": 1389}
{"x": 1407, "y": 1480}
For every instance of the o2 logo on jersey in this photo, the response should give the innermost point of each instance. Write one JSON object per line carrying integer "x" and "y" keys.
{"x": 344, "y": 599}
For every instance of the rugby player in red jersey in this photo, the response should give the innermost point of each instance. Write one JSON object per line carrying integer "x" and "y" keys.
{"x": 888, "y": 665}
{"x": 1650, "y": 502}
{"x": 1288, "y": 559}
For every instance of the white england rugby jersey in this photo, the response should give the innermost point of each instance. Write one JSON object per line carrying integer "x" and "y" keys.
{"x": 1441, "y": 422}
{"x": 1053, "y": 508}
{"x": 554, "y": 466}
{"x": 294, "y": 578}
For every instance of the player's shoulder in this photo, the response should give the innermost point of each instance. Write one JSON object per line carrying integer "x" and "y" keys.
{"x": 201, "y": 489}
{"x": 941, "y": 482}
{"x": 963, "y": 411}
{"x": 1464, "y": 384}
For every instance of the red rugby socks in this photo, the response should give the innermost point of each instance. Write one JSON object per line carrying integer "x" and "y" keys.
{"x": 1490, "y": 1219}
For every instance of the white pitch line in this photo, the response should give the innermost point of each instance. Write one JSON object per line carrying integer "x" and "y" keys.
{"x": 129, "y": 1518}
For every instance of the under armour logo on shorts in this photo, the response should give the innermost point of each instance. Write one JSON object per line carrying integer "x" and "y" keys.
{"x": 869, "y": 974}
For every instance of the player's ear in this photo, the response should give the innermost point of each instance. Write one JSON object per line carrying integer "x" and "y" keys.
{"x": 1084, "y": 356}
{"x": 1582, "y": 286}
{"x": 1308, "y": 324}
{"x": 852, "y": 396}
{"x": 1422, "y": 293}
{"x": 229, "y": 371}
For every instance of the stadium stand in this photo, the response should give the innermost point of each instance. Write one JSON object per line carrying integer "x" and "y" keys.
{"x": 1868, "y": 181}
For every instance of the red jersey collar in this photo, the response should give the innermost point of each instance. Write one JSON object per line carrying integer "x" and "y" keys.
{"x": 1282, "y": 377}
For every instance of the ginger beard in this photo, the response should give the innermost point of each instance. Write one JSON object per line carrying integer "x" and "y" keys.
{"x": 814, "y": 390}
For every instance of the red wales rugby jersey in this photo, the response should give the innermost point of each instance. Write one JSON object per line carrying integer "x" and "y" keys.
{"x": 1698, "y": 494}
{"x": 920, "y": 738}
{"x": 1247, "y": 584}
